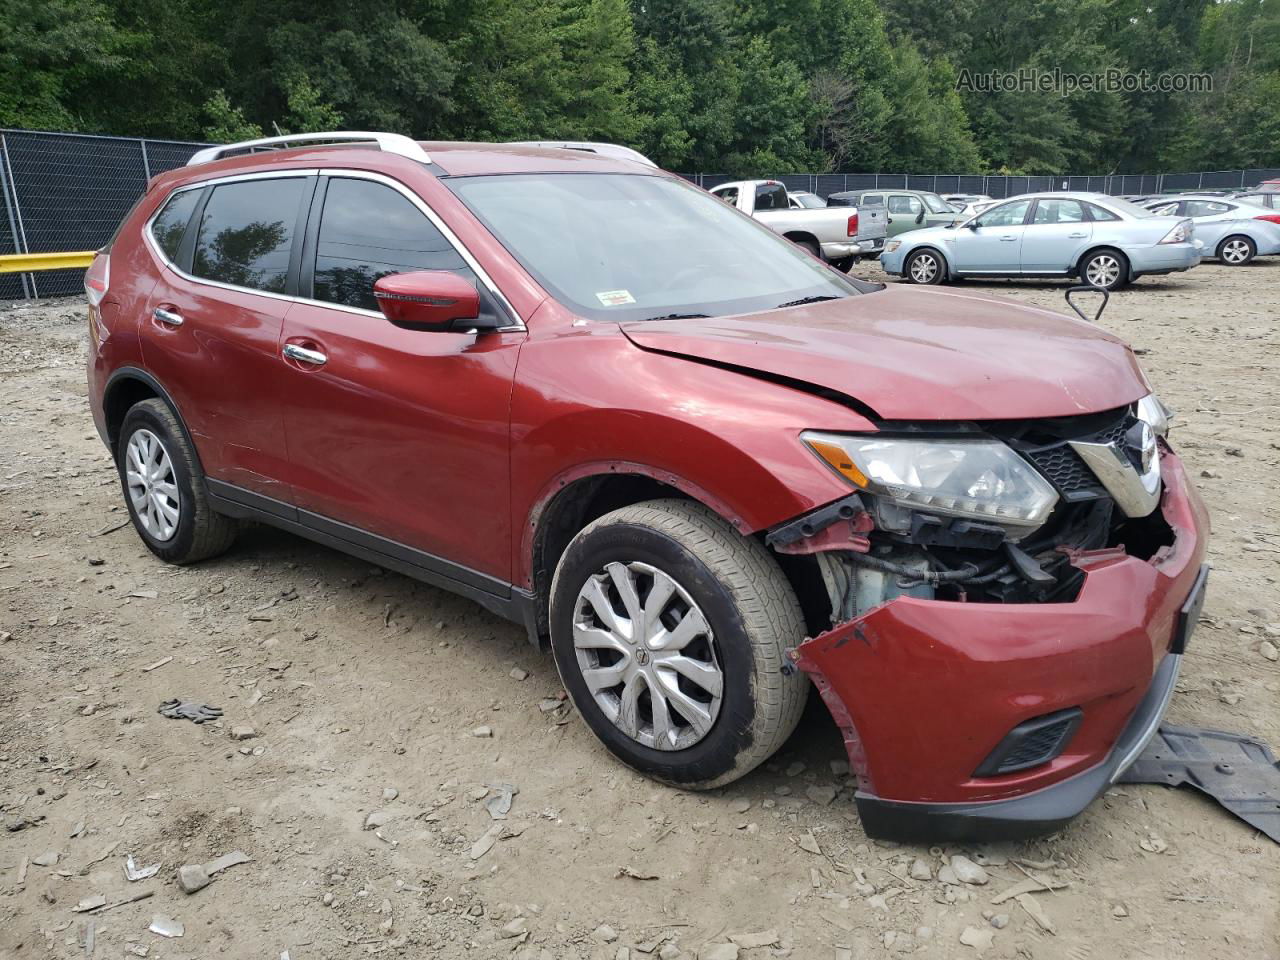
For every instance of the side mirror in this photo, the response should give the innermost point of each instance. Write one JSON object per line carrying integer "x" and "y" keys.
{"x": 433, "y": 300}
{"x": 973, "y": 224}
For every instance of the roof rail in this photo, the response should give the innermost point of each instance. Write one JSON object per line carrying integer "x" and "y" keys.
{"x": 615, "y": 150}
{"x": 396, "y": 143}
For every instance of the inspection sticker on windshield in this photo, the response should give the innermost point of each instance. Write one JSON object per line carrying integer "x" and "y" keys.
{"x": 615, "y": 298}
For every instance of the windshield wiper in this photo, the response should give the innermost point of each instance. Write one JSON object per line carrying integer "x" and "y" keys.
{"x": 803, "y": 300}
{"x": 678, "y": 316}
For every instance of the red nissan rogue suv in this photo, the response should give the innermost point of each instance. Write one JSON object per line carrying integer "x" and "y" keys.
{"x": 709, "y": 470}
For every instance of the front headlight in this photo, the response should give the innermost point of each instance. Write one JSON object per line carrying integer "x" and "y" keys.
{"x": 892, "y": 245}
{"x": 981, "y": 479}
{"x": 1155, "y": 413}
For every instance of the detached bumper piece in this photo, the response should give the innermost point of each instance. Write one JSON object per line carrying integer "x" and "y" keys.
{"x": 1238, "y": 771}
{"x": 1031, "y": 814}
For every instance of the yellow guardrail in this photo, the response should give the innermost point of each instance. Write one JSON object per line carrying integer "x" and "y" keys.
{"x": 27, "y": 262}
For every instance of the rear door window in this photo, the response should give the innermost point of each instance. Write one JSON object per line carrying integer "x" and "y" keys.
{"x": 771, "y": 196}
{"x": 171, "y": 222}
{"x": 1058, "y": 211}
{"x": 246, "y": 233}
{"x": 369, "y": 230}
{"x": 1206, "y": 208}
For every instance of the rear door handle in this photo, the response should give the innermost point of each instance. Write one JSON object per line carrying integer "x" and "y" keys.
{"x": 1008, "y": 239}
{"x": 1076, "y": 236}
{"x": 171, "y": 317}
{"x": 303, "y": 355}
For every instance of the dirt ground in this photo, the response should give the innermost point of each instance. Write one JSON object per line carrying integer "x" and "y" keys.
{"x": 365, "y": 691}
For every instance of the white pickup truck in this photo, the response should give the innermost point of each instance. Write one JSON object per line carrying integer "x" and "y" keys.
{"x": 839, "y": 235}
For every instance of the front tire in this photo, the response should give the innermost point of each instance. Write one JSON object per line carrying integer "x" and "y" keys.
{"x": 925, "y": 267}
{"x": 1236, "y": 250}
{"x": 1105, "y": 269}
{"x": 164, "y": 488}
{"x": 670, "y": 631}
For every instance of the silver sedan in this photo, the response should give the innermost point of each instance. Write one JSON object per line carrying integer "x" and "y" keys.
{"x": 1234, "y": 231}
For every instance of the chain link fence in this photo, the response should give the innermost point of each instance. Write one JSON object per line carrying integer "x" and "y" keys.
{"x": 61, "y": 192}
{"x": 65, "y": 192}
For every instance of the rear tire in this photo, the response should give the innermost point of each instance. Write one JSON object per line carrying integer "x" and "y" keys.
{"x": 745, "y": 616}
{"x": 925, "y": 267}
{"x": 1236, "y": 250}
{"x": 1105, "y": 269}
{"x": 809, "y": 245}
{"x": 164, "y": 488}
{"x": 844, "y": 264}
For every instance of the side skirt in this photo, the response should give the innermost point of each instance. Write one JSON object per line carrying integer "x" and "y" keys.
{"x": 494, "y": 595}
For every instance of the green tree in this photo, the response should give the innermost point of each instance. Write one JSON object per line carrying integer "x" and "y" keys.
{"x": 224, "y": 123}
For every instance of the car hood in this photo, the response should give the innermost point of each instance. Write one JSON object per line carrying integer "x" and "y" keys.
{"x": 919, "y": 354}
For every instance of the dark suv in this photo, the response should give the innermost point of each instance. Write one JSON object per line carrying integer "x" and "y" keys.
{"x": 709, "y": 470}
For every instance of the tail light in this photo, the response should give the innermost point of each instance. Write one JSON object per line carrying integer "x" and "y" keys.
{"x": 97, "y": 278}
{"x": 1179, "y": 234}
{"x": 1269, "y": 217}
{"x": 853, "y": 225}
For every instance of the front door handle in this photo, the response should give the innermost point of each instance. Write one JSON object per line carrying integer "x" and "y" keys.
{"x": 1008, "y": 239}
{"x": 303, "y": 355}
{"x": 1076, "y": 236}
{"x": 171, "y": 317}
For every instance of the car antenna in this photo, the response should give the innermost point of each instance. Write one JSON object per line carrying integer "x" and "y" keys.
{"x": 1086, "y": 288}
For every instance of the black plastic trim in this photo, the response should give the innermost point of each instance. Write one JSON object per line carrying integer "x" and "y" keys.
{"x": 137, "y": 373}
{"x": 1029, "y": 815}
{"x": 493, "y": 594}
{"x": 996, "y": 764}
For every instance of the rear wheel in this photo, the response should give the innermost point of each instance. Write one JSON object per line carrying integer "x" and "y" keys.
{"x": 1236, "y": 251}
{"x": 844, "y": 264}
{"x": 164, "y": 488}
{"x": 670, "y": 632}
{"x": 1105, "y": 269}
{"x": 811, "y": 246}
{"x": 925, "y": 266}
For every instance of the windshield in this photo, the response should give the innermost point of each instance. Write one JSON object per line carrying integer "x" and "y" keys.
{"x": 634, "y": 247}
{"x": 936, "y": 204}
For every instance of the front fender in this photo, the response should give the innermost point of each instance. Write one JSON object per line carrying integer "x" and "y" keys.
{"x": 588, "y": 402}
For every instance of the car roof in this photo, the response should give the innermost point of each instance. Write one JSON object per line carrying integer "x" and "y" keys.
{"x": 445, "y": 159}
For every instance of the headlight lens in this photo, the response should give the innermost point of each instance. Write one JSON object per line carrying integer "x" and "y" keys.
{"x": 981, "y": 479}
{"x": 1155, "y": 413}
{"x": 892, "y": 245}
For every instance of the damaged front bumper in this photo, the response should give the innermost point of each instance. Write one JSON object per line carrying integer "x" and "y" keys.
{"x": 925, "y": 690}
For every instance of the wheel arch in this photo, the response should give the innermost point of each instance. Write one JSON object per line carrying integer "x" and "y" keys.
{"x": 947, "y": 266}
{"x": 1107, "y": 248}
{"x": 801, "y": 236}
{"x": 128, "y": 386}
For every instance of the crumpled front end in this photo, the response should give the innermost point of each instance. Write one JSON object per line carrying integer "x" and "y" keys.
{"x": 944, "y": 698}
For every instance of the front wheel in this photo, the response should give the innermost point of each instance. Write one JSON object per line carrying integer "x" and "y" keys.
{"x": 670, "y": 632}
{"x": 926, "y": 267}
{"x": 1105, "y": 269}
{"x": 1236, "y": 251}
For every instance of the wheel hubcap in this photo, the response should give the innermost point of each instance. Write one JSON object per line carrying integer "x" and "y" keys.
{"x": 647, "y": 655}
{"x": 1103, "y": 271}
{"x": 923, "y": 269}
{"x": 153, "y": 488}
{"x": 1235, "y": 251}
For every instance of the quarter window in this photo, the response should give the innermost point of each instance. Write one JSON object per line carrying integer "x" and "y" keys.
{"x": 246, "y": 233}
{"x": 367, "y": 231}
{"x": 171, "y": 222}
{"x": 1098, "y": 213}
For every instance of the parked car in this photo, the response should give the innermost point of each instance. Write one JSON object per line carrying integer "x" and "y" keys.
{"x": 839, "y": 237}
{"x": 973, "y": 209}
{"x": 961, "y": 200}
{"x": 804, "y": 200}
{"x": 1232, "y": 231}
{"x": 1104, "y": 241}
{"x": 700, "y": 465}
{"x": 907, "y": 209}
{"x": 1269, "y": 186}
{"x": 1259, "y": 198}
